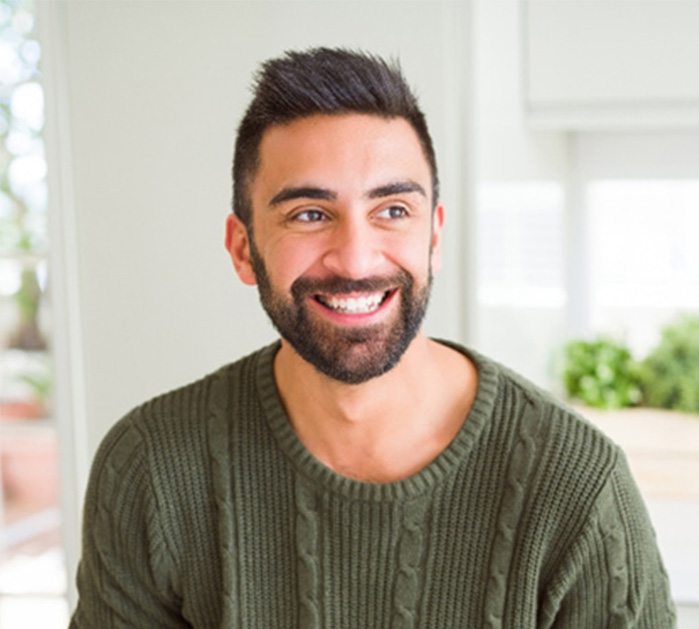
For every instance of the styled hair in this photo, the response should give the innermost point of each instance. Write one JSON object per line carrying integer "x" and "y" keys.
{"x": 329, "y": 81}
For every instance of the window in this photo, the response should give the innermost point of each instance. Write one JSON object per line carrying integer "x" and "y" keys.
{"x": 644, "y": 259}
{"x": 521, "y": 294}
{"x": 32, "y": 571}
{"x": 640, "y": 206}
{"x": 611, "y": 251}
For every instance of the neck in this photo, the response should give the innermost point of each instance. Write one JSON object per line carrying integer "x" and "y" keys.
{"x": 388, "y": 427}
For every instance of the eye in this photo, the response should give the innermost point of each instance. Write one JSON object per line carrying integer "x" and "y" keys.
{"x": 393, "y": 212}
{"x": 309, "y": 216}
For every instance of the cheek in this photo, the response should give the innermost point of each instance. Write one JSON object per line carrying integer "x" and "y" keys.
{"x": 287, "y": 261}
{"x": 411, "y": 251}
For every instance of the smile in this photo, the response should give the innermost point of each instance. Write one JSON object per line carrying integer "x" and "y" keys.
{"x": 363, "y": 304}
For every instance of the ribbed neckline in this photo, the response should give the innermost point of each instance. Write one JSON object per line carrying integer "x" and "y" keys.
{"x": 315, "y": 471}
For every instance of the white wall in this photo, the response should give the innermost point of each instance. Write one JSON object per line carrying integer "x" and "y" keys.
{"x": 155, "y": 91}
{"x": 506, "y": 148}
{"x": 508, "y": 151}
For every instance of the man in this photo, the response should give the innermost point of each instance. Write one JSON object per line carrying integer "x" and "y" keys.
{"x": 357, "y": 474}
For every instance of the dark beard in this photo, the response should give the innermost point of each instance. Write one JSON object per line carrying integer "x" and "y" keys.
{"x": 350, "y": 355}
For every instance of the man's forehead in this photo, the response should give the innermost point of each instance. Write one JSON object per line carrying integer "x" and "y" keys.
{"x": 315, "y": 151}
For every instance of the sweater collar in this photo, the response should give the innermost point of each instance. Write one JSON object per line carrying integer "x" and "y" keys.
{"x": 317, "y": 473}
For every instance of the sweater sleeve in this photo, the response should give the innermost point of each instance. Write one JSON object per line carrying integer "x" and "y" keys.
{"x": 612, "y": 576}
{"x": 123, "y": 573}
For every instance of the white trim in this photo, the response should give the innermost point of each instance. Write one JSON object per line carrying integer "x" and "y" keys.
{"x": 67, "y": 336}
{"x": 576, "y": 249}
{"x": 459, "y": 42}
{"x": 602, "y": 114}
{"x": 610, "y": 117}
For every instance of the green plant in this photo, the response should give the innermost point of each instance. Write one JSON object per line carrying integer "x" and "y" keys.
{"x": 670, "y": 373}
{"x": 601, "y": 373}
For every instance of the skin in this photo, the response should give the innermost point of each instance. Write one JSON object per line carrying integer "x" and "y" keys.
{"x": 349, "y": 196}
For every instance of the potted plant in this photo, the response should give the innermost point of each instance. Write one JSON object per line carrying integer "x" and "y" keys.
{"x": 648, "y": 407}
{"x": 670, "y": 373}
{"x": 601, "y": 373}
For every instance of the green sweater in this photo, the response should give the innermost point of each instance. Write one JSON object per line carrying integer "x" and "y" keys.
{"x": 205, "y": 510}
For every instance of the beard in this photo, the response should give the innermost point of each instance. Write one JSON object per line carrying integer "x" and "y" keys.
{"x": 351, "y": 355}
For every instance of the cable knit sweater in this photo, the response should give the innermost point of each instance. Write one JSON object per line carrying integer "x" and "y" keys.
{"x": 205, "y": 510}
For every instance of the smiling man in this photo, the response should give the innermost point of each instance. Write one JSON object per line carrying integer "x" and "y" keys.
{"x": 355, "y": 473}
{"x": 354, "y": 232}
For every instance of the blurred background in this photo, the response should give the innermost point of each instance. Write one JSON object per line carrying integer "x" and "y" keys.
{"x": 568, "y": 143}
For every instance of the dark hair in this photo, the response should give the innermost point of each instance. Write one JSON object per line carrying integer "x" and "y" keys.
{"x": 321, "y": 81}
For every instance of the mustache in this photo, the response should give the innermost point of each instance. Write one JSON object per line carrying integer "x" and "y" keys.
{"x": 304, "y": 286}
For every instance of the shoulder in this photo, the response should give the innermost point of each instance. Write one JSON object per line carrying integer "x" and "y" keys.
{"x": 557, "y": 459}
{"x": 515, "y": 410}
{"x": 557, "y": 425}
{"x": 171, "y": 430}
{"x": 184, "y": 410}
{"x": 564, "y": 433}
{"x": 574, "y": 471}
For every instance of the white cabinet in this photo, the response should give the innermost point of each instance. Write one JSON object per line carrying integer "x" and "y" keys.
{"x": 611, "y": 63}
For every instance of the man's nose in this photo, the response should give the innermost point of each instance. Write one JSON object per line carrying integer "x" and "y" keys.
{"x": 353, "y": 250}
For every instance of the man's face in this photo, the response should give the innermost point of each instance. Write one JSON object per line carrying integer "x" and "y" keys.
{"x": 343, "y": 240}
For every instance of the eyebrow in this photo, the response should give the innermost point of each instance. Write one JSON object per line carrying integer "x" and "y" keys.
{"x": 396, "y": 187}
{"x": 302, "y": 192}
{"x": 323, "y": 194}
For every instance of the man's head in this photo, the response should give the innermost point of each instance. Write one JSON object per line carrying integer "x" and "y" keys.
{"x": 342, "y": 224}
{"x": 321, "y": 81}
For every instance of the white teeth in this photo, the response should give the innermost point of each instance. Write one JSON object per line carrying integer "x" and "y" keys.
{"x": 354, "y": 305}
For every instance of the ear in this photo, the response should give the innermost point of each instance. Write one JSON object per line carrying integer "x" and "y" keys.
{"x": 436, "y": 242}
{"x": 238, "y": 247}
